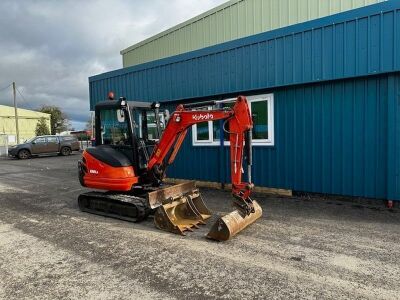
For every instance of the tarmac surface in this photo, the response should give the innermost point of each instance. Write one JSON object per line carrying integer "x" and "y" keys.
{"x": 301, "y": 248}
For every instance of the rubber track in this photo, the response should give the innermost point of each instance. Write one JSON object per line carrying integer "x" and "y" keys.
{"x": 119, "y": 206}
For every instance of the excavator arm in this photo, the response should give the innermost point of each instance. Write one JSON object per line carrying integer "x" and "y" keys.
{"x": 240, "y": 124}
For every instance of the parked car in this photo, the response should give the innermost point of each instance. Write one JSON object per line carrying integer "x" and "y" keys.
{"x": 63, "y": 145}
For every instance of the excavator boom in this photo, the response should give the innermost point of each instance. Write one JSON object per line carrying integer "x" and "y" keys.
{"x": 240, "y": 124}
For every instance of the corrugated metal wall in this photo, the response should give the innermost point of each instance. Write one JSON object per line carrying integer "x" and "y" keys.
{"x": 232, "y": 20}
{"x": 338, "y": 137}
{"x": 336, "y": 88}
{"x": 357, "y": 43}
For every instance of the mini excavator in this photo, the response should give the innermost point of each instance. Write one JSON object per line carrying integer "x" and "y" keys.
{"x": 134, "y": 147}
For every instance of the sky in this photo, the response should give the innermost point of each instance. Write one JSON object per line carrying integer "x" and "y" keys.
{"x": 50, "y": 48}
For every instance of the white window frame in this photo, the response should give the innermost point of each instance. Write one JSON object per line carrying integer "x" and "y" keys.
{"x": 271, "y": 122}
{"x": 208, "y": 142}
{"x": 256, "y": 142}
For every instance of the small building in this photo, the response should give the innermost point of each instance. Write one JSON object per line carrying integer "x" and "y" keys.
{"x": 27, "y": 121}
{"x": 324, "y": 92}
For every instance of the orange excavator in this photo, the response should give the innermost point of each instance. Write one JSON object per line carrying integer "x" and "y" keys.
{"x": 135, "y": 145}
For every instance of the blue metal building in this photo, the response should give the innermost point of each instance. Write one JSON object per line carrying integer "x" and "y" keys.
{"x": 331, "y": 88}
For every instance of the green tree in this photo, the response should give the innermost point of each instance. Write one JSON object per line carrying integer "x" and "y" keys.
{"x": 41, "y": 127}
{"x": 58, "y": 119}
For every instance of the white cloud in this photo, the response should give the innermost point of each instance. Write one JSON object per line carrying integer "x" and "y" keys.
{"x": 50, "y": 48}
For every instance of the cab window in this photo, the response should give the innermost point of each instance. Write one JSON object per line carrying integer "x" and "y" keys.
{"x": 52, "y": 139}
{"x": 40, "y": 140}
{"x": 114, "y": 127}
{"x": 151, "y": 124}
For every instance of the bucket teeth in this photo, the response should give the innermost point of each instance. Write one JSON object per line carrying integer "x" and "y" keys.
{"x": 182, "y": 213}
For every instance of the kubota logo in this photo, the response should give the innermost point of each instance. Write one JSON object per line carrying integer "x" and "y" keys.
{"x": 93, "y": 172}
{"x": 204, "y": 117}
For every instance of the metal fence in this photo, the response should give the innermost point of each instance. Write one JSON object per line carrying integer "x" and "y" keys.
{"x": 3, "y": 145}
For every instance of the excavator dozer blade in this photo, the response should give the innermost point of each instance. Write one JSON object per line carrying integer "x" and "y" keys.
{"x": 231, "y": 224}
{"x": 180, "y": 208}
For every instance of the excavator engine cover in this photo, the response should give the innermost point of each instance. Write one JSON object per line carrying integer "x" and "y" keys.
{"x": 180, "y": 208}
{"x": 231, "y": 224}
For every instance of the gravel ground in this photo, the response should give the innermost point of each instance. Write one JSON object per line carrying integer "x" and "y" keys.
{"x": 301, "y": 248}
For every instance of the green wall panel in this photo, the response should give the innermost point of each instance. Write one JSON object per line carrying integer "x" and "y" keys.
{"x": 232, "y": 20}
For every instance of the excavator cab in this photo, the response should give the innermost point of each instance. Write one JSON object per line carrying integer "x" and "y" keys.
{"x": 126, "y": 132}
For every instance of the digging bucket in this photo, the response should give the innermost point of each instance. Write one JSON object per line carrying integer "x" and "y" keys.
{"x": 231, "y": 224}
{"x": 180, "y": 208}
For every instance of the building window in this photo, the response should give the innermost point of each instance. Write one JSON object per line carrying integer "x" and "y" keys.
{"x": 262, "y": 111}
{"x": 202, "y": 133}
